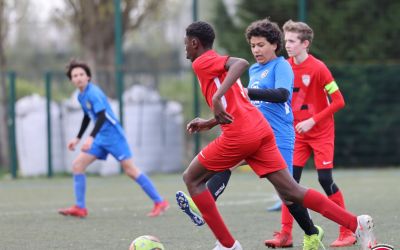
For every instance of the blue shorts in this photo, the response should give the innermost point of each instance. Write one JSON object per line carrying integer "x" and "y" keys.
{"x": 287, "y": 154}
{"x": 114, "y": 144}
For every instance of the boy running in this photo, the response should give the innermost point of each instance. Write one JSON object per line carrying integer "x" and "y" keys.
{"x": 107, "y": 137}
{"x": 240, "y": 140}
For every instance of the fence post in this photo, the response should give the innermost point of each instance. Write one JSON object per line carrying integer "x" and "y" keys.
{"x": 11, "y": 125}
{"x": 48, "y": 112}
{"x": 196, "y": 105}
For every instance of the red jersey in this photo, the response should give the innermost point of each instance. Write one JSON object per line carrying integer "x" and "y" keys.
{"x": 309, "y": 95}
{"x": 248, "y": 122}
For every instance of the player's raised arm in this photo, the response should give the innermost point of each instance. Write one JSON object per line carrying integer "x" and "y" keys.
{"x": 235, "y": 67}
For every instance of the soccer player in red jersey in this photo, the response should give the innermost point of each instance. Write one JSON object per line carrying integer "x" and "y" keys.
{"x": 246, "y": 135}
{"x": 313, "y": 117}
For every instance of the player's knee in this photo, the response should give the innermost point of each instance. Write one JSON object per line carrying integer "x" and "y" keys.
{"x": 77, "y": 167}
{"x": 186, "y": 178}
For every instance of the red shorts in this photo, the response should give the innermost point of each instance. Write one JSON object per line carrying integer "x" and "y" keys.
{"x": 322, "y": 148}
{"x": 261, "y": 154}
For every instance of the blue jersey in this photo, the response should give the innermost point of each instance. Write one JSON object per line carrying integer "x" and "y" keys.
{"x": 93, "y": 100}
{"x": 275, "y": 74}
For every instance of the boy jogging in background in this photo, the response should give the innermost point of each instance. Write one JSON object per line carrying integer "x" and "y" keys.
{"x": 106, "y": 138}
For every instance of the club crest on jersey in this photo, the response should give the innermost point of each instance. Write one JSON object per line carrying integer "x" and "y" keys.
{"x": 306, "y": 79}
{"x": 88, "y": 105}
{"x": 382, "y": 247}
{"x": 264, "y": 73}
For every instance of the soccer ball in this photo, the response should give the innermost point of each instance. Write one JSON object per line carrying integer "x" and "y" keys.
{"x": 146, "y": 242}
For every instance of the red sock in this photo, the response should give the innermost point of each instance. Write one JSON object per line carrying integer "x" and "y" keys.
{"x": 287, "y": 220}
{"x": 321, "y": 204}
{"x": 338, "y": 199}
{"x": 206, "y": 204}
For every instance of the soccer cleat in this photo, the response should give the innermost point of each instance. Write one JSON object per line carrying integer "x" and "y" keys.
{"x": 276, "y": 207}
{"x": 74, "y": 211}
{"x": 313, "y": 242}
{"x": 159, "y": 208}
{"x": 236, "y": 246}
{"x": 281, "y": 240}
{"x": 188, "y": 207}
{"x": 365, "y": 232}
{"x": 346, "y": 238}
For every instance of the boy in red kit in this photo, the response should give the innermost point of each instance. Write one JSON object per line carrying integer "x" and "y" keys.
{"x": 255, "y": 143}
{"x": 313, "y": 116}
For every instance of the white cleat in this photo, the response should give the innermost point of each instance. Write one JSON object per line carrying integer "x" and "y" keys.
{"x": 235, "y": 246}
{"x": 365, "y": 232}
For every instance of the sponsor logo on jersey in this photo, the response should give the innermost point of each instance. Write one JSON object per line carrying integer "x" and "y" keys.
{"x": 306, "y": 79}
{"x": 382, "y": 247}
{"x": 264, "y": 73}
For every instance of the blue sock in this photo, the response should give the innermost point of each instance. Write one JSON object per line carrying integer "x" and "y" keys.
{"x": 147, "y": 185}
{"x": 80, "y": 189}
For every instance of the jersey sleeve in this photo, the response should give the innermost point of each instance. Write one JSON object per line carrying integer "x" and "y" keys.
{"x": 97, "y": 102}
{"x": 210, "y": 67}
{"x": 284, "y": 76}
{"x": 325, "y": 76}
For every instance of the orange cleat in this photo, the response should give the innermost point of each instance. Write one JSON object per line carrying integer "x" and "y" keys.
{"x": 159, "y": 208}
{"x": 280, "y": 240}
{"x": 74, "y": 211}
{"x": 346, "y": 238}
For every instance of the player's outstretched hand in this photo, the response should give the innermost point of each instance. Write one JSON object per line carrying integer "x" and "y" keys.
{"x": 72, "y": 144}
{"x": 220, "y": 113}
{"x": 199, "y": 124}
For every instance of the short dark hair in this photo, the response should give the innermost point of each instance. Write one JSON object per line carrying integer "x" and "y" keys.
{"x": 269, "y": 30}
{"x": 77, "y": 64}
{"x": 203, "y": 31}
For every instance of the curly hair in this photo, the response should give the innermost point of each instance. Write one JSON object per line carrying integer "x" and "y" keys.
{"x": 77, "y": 64}
{"x": 203, "y": 31}
{"x": 269, "y": 30}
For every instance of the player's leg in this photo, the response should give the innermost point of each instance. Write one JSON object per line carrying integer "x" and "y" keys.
{"x": 195, "y": 178}
{"x": 309, "y": 198}
{"x": 118, "y": 147}
{"x": 323, "y": 159}
{"x": 284, "y": 237}
{"x": 79, "y": 165}
{"x": 218, "y": 183}
{"x": 160, "y": 204}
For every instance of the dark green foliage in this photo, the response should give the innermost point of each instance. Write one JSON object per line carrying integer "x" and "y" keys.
{"x": 351, "y": 31}
{"x": 367, "y": 130}
{"x": 352, "y": 35}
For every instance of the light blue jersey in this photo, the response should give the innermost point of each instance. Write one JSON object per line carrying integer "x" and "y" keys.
{"x": 111, "y": 137}
{"x": 275, "y": 74}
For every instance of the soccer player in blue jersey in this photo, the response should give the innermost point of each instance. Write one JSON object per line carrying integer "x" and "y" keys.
{"x": 107, "y": 137}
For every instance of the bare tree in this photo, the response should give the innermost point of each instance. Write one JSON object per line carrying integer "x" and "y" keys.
{"x": 94, "y": 23}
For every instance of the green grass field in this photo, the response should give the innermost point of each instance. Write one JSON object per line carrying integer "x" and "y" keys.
{"x": 117, "y": 211}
